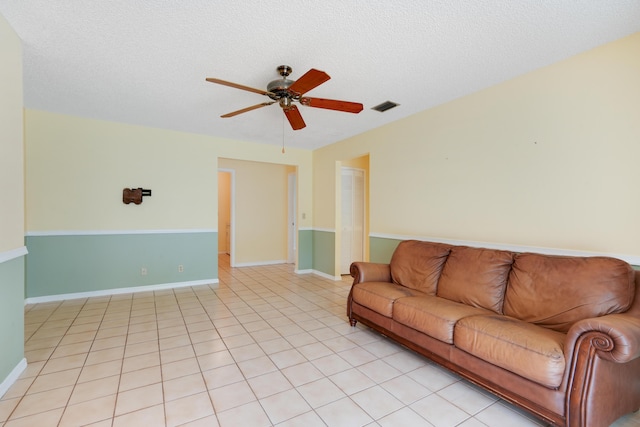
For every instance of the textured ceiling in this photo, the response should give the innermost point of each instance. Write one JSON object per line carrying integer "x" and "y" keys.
{"x": 145, "y": 61}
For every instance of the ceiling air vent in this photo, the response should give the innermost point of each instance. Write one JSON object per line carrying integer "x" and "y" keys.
{"x": 387, "y": 105}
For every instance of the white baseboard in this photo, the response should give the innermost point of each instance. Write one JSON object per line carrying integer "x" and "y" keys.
{"x": 13, "y": 376}
{"x": 117, "y": 291}
{"x": 259, "y": 263}
{"x": 319, "y": 273}
{"x": 327, "y": 276}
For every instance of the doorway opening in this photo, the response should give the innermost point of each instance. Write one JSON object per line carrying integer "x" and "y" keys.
{"x": 225, "y": 213}
{"x": 257, "y": 212}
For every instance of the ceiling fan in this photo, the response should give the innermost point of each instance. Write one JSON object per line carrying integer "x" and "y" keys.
{"x": 285, "y": 92}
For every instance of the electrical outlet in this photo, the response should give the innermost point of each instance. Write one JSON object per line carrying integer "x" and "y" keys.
{"x": 180, "y": 268}
{"x": 143, "y": 271}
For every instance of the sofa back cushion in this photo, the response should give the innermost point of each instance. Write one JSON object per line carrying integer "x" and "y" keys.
{"x": 556, "y": 291}
{"x": 418, "y": 265}
{"x": 476, "y": 277}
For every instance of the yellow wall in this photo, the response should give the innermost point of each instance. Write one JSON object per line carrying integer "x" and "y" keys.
{"x": 76, "y": 169}
{"x": 11, "y": 137}
{"x": 547, "y": 159}
{"x": 260, "y": 202}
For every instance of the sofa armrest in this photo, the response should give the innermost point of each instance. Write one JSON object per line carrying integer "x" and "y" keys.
{"x": 370, "y": 272}
{"x": 366, "y": 272}
{"x": 619, "y": 336}
{"x": 603, "y": 369}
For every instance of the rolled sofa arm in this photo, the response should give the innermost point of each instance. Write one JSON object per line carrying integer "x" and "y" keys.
{"x": 621, "y": 340}
{"x": 370, "y": 272}
{"x": 366, "y": 272}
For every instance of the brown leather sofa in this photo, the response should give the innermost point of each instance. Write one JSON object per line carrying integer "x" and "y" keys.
{"x": 558, "y": 336}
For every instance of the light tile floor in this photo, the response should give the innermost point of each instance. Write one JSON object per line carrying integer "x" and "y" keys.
{"x": 265, "y": 347}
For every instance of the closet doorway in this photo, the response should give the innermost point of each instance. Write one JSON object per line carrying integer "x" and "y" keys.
{"x": 292, "y": 222}
{"x": 352, "y": 218}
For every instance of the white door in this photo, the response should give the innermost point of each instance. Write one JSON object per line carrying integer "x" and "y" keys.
{"x": 352, "y": 218}
{"x": 292, "y": 221}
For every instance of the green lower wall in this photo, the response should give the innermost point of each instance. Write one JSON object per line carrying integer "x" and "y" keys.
{"x": 11, "y": 315}
{"x": 66, "y": 264}
{"x": 316, "y": 250}
{"x": 381, "y": 249}
{"x": 324, "y": 251}
{"x": 305, "y": 250}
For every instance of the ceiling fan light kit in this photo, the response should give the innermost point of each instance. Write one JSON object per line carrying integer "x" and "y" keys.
{"x": 285, "y": 92}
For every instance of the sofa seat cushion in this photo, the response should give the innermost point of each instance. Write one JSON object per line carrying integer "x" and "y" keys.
{"x": 531, "y": 351}
{"x": 418, "y": 265}
{"x": 557, "y": 291}
{"x": 432, "y": 315}
{"x": 380, "y": 296}
{"x": 476, "y": 277}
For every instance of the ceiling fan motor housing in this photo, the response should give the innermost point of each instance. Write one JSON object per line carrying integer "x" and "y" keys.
{"x": 279, "y": 89}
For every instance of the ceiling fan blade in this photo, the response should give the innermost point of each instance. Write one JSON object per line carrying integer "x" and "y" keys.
{"x": 332, "y": 104}
{"x": 311, "y": 79}
{"x": 294, "y": 117}
{"x": 237, "y": 86}
{"x": 244, "y": 110}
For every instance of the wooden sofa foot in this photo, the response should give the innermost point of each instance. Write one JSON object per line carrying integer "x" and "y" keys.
{"x": 353, "y": 322}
